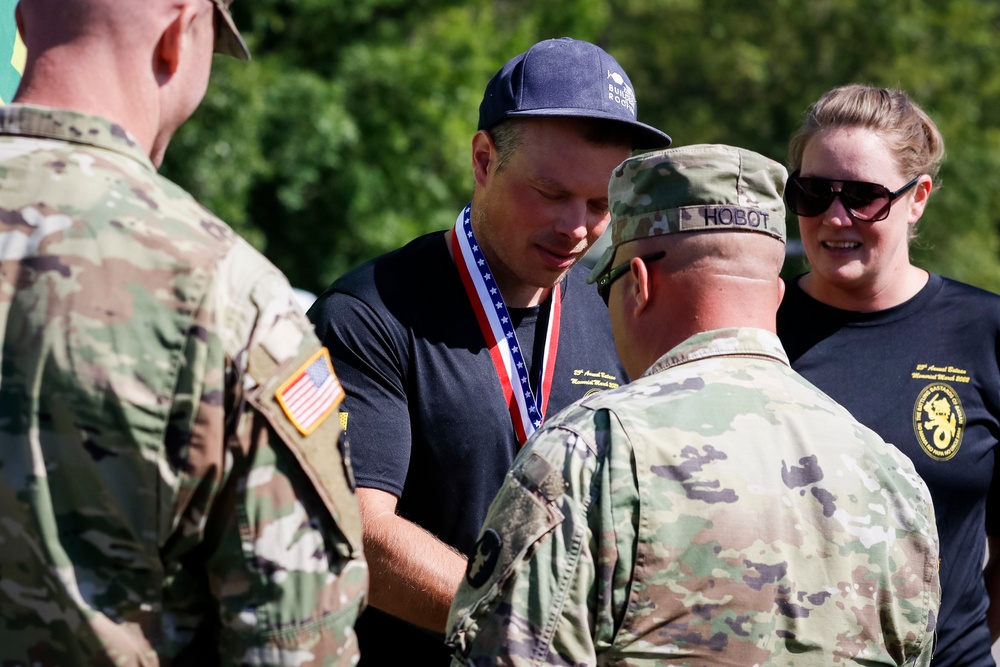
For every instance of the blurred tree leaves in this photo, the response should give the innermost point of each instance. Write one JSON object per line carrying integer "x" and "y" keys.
{"x": 349, "y": 132}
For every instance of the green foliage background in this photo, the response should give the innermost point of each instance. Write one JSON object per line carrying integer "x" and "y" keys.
{"x": 349, "y": 132}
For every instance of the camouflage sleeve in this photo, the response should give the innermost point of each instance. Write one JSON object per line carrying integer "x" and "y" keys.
{"x": 539, "y": 588}
{"x": 614, "y": 528}
{"x": 282, "y": 538}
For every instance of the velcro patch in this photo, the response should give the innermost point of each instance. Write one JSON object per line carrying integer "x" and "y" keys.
{"x": 482, "y": 564}
{"x": 311, "y": 394}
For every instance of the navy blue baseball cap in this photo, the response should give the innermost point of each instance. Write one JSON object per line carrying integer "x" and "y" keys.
{"x": 566, "y": 77}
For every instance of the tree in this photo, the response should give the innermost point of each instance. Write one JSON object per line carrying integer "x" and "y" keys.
{"x": 349, "y": 133}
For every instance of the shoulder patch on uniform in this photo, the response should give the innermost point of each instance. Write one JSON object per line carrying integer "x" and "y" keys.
{"x": 311, "y": 393}
{"x": 484, "y": 561}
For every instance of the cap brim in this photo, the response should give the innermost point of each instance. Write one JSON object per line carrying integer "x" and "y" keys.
{"x": 602, "y": 265}
{"x": 644, "y": 137}
{"x": 228, "y": 40}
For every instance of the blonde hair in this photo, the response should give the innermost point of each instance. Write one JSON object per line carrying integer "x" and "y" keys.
{"x": 910, "y": 134}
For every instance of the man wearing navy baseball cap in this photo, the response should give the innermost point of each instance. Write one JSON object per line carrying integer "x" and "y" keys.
{"x": 453, "y": 348}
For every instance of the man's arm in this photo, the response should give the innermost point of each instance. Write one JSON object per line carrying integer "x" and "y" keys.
{"x": 414, "y": 575}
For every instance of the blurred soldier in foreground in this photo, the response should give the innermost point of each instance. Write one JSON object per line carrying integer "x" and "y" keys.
{"x": 171, "y": 489}
{"x": 719, "y": 510}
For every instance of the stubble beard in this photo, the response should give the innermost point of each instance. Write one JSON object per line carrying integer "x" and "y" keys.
{"x": 507, "y": 276}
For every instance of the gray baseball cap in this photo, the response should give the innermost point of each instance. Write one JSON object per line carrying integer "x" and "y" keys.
{"x": 228, "y": 39}
{"x": 704, "y": 187}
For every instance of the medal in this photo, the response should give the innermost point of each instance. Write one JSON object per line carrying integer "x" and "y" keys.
{"x": 526, "y": 412}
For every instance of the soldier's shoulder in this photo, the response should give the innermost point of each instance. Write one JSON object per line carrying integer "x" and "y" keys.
{"x": 572, "y": 442}
{"x": 258, "y": 305}
{"x": 574, "y": 422}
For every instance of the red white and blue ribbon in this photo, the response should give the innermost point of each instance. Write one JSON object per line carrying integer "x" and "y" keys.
{"x": 526, "y": 412}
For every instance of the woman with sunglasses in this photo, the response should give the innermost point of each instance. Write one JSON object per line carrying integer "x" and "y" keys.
{"x": 911, "y": 354}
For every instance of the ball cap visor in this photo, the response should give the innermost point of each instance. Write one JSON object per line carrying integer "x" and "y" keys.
{"x": 228, "y": 40}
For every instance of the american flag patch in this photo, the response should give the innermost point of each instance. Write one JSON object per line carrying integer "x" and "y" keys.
{"x": 311, "y": 393}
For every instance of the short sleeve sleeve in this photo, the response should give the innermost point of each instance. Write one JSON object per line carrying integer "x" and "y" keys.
{"x": 369, "y": 353}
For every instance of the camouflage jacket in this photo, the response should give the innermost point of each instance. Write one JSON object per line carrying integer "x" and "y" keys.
{"x": 171, "y": 486}
{"x": 720, "y": 510}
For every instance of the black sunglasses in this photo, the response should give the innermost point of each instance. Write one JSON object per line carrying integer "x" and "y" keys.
{"x": 604, "y": 282}
{"x": 867, "y": 202}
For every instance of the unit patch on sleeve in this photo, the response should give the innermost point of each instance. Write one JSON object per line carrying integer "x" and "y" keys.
{"x": 939, "y": 421}
{"x": 482, "y": 564}
{"x": 311, "y": 393}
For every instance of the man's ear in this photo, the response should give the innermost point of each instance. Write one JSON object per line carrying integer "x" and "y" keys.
{"x": 640, "y": 290}
{"x": 781, "y": 290}
{"x": 484, "y": 153}
{"x": 173, "y": 41}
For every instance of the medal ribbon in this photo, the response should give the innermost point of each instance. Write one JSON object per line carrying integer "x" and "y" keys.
{"x": 526, "y": 413}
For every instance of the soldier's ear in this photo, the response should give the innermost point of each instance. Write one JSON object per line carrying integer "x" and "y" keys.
{"x": 781, "y": 291}
{"x": 638, "y": 291}
{"x": 173, "y": 41}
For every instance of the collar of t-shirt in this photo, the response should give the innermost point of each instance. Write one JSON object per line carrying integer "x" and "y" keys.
{"x": 530, "y": 325}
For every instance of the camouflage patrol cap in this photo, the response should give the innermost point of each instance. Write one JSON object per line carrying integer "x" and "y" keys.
{"x": 705, "y": 187}
{"x": 228, "y": 40}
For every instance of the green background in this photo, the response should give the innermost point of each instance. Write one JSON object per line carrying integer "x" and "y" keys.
{"x": 349, "y": 132}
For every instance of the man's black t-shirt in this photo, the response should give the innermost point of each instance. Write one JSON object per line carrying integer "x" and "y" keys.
{"x": 925, "y": 376}
{"x": 426, "y": 415}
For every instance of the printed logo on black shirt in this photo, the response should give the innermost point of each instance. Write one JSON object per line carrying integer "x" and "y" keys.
{"x": 596, "y": 379}
{"x": 939, "y": 421}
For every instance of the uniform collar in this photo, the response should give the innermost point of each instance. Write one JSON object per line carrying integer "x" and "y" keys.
{"x": 741, "y": 342}
{"x": 28, "y": 120}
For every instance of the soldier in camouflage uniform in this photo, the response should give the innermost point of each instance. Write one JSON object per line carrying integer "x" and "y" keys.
{"x": 171, "y": 486}
{"x": 719, "y": 510}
